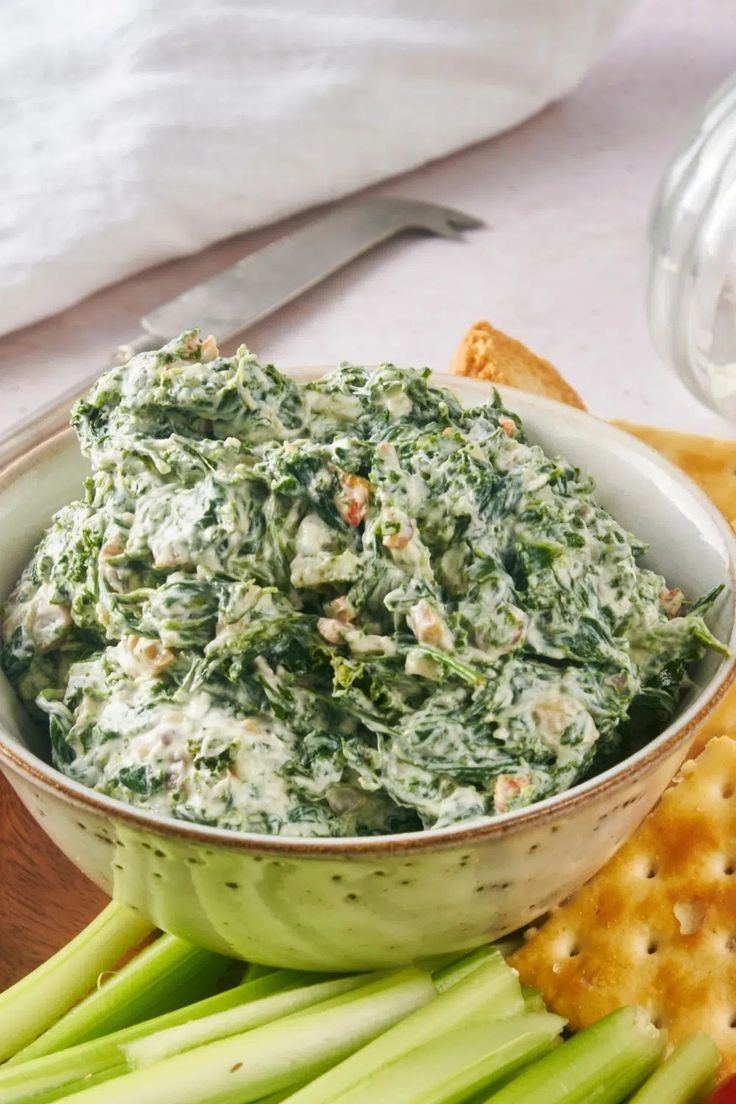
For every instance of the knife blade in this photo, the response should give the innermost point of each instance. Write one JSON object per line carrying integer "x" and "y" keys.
{"x": 254, "y": 287}
{"x": 257, "y": 285}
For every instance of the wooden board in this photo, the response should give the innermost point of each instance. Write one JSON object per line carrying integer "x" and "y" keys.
{"x": 44, "y": 900}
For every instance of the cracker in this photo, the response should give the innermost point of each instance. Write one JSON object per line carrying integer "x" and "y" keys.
{"x": 709, "y": 461}
{"x": 721, "y": 722}
{"x": 657, "y": 925}
{"x": 487, "y": 353}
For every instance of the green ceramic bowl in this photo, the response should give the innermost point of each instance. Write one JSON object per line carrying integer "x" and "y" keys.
{"x": 362, "y": 903}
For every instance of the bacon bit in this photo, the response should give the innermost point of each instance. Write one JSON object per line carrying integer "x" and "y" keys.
{"x": 508, "y": 425}
{"x": 400, "y": 539}
{"x": 404, "y": 531}
{"x": 111, "y": 547}
{"x": 507, "y": 787}
{"x": 353, "y": 500}
{"x": 149, "y": 653}
{"x": 387, "y": 452}
{"x": 354, "y": 514}
{"x": 671, "y": 601}
{"x": 209, "y": 349}
{"x": 428, "y": 627}
{"x": 330, "y": 630}
{"x": 341, "y": 609}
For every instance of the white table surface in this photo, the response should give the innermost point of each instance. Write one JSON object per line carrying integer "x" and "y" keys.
{"x": 561, "y": 262}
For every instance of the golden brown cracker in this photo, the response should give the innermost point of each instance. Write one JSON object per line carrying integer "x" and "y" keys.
{"x": 721, "y": 722}
{"x": 490, "y": 354}
{"x": 657, "y": 925}
{"x": 709, "y": 461}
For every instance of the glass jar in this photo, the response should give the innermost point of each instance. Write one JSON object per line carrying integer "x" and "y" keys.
{"x": 692, "y": 276}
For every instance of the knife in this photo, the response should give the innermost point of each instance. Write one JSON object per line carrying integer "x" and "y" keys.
{"x": 254, "y": 287}
{"x": 260, "y": 283}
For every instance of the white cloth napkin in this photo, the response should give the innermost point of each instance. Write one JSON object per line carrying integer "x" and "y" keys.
{"x": 138, "y": 130}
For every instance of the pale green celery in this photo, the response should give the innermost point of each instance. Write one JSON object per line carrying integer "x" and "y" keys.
{"x": 278, "y": 1097}
{"x": 492, "y": 990}
{"x": 234, "y": 1021}
{"x": 38, "y": 1000}
{"x": 165, "y": 975}
{"x": 685, "y": 1076}
{"x": 46, "y": 1079}
{"x": 432, "y": 963}
{"x": 603, "y": 1064}
{"x": 254, "y": 971}
{"x": 464, "y": 1060}
{"x": 244, "y": 1068}
{"x": 533, "y": 999}
{"x": 458, "y": 968}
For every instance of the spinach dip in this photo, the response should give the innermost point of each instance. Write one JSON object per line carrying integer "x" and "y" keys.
{"x": 337, "y": 608}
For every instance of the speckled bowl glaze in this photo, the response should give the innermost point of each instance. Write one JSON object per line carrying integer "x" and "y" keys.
{"x": 358, "y": 903}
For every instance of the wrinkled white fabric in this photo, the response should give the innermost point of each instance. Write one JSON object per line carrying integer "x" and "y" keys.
{"x": 138, "y": 130}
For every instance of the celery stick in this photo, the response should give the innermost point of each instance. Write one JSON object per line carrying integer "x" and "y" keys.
{"x": 234, "y": 1021}
{"x": 164, "y": 975}
{"x": 533, "y": 999}
{"x": 455, "y": 971}
{"x": 465, "y": 1060}
{"x": 604, "y": 1064}
{"x": 254, "y": 971}
{"x": 432, "y": 963}
{"x": 56, "y": 1075}
{"x": 277, "y": 1097}
{"x": 490, "y": 991}
{"x": 38, "y": 1000}
{"x": 687, "y": 1073}
{"x": 245, "y": 1067}
{"x": 46, "y": 1079}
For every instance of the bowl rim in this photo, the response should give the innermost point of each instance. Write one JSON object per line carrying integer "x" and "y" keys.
{"x": 51, "y": 432}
